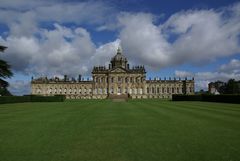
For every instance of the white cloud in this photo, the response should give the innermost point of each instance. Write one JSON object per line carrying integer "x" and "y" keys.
{"x": 193, "y": 36}
{"x": 199, "y": 36}
{"x": 58, "y": 51}
{"x": 104, "y": 53}
{"x": 25, "y": 17}
{"x": 183, "y": 74}
{"x": 203, "y": 35}
{"x": 232, "y": 67}
{"x": 142, "y": 41}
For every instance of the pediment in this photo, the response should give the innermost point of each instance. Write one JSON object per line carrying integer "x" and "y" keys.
{"x": 118, "y": 70}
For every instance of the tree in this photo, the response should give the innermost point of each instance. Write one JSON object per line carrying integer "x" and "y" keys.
{"x": 5, "y": 72}
{"x": 232, "y": 87}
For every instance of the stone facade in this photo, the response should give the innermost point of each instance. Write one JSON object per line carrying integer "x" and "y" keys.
{"x": 116, "y": 80}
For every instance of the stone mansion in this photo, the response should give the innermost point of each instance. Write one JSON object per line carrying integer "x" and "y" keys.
{"x": 118, "y": 80}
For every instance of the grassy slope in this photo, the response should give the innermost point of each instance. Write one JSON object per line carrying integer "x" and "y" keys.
{"x": 144, "y": 130}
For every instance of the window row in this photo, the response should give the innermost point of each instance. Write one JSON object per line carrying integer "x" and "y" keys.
{"x": 65, "y": 91}
{"x": 119, "y": 80}
{"x": 156, "y": 90}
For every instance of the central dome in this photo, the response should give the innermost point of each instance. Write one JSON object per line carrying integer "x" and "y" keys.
{"x": 119, "y": 56}
{"x": 119, "y": 60}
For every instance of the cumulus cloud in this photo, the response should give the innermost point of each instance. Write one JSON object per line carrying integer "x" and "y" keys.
{"x": 193, "y": 36}
{"x": 143, "y": 41}
{"x": 25, "y": 17}
{"x": 58, "y": 51}
{"x": 183, "y": 74}
{"x": 203, "y": 35}
{"x": 104, "y": 53}
{"x": 232, "y": 67}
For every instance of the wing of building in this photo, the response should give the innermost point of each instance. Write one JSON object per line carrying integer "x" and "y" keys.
{"x": 118, "y": 80}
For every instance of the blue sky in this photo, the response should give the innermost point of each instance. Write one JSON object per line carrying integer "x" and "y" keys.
{"x": 199, "y": 38}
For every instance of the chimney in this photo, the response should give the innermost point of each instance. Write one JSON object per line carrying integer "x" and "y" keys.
{"x": 79, "y": 77}
{"x": 65, "y": 78}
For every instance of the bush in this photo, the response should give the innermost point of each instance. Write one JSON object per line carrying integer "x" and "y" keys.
{"x": 31, "y": 98}
{"x": 180, "y": 97}
{"x": 226, "y": 98}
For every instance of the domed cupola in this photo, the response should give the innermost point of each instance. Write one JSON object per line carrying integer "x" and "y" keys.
{"x": 119, "y": 60}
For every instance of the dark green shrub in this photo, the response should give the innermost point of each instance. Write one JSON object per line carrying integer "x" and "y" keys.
{"x": 181, "y": 97}
{"x": 226, "y": 98}
{"x": 31, "y": 98}
{"x": 14, "y": 99}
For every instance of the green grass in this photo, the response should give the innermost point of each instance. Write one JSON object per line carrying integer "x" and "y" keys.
{"x": 146, "y": 130}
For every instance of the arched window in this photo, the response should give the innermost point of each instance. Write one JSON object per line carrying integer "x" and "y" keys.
{"x": 126, "y": 80}
{"x": 112, "y": 79}
{"x": 172, "y": 90}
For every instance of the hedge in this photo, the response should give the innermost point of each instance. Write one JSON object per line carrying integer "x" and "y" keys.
{"x": 180, "y": 97}
{"x": 31, "y": 98}
{"x": 226, "y": 98}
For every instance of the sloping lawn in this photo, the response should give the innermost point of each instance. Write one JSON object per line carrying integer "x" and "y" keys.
{"x": 137, "y": 130}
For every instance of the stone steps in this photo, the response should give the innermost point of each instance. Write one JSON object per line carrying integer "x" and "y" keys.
{"x": 118, "y": 98}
